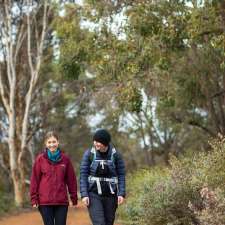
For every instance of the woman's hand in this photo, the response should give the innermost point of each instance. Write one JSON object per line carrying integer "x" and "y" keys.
{"x": 85, "y": 200}
{"x": 35, "y": 206}
{"x": 120, "y": 200}
{"x": 72, "y": 205}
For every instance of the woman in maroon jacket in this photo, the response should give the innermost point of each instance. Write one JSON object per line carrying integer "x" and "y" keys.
{"x": 52, "y": 175}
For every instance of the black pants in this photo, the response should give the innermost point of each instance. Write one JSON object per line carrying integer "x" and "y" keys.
{"x": 102, "y": 209}
{"x": 53, "y": 215}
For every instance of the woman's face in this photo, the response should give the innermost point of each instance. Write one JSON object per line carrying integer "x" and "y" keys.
{"x": 99, "y": 146}
{"x": 52, "y": 144}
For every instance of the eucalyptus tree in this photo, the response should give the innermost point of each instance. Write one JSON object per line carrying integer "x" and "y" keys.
{"x": 173, "y": 51}
{"x": 24, "y": 29}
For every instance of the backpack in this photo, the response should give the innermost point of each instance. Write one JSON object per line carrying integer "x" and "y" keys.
{"x": 112, "y": 181}
{"x": 93, "y": 155}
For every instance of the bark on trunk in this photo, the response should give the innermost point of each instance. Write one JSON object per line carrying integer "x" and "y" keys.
{"x": 10, "y": 81}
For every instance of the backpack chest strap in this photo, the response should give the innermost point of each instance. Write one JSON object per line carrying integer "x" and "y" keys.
{"x": 102, "y": 162}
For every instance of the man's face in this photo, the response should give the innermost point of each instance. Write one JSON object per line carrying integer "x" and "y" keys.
{"x": 99, "y": 146}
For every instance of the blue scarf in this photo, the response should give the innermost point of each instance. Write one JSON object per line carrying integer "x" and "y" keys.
{"x": 54, "y": 156}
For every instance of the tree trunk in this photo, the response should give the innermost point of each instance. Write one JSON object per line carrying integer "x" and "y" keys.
{"x": 18, "y": 192}
{"x": 17, "y": 34}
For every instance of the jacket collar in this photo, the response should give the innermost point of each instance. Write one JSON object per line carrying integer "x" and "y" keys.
{"x": 45, "y": 154}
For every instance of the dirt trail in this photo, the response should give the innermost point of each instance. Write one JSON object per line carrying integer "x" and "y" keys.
{"x": 76, "y": 216}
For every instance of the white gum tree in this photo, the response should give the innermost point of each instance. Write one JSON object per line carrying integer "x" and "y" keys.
{"x": 23, "y": 29}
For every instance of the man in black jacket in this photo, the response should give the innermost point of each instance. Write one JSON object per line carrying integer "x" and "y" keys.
{"x": 102, "y": 179}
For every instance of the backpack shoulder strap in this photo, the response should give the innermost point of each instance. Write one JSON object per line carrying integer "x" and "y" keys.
{"x": 92, "y": 155}
{"x": 113, "y": 154}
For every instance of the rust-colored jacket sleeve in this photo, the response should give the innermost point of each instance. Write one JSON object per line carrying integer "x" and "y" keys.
{"x": 35, "y": 181}
{"x": 71, "y": 182}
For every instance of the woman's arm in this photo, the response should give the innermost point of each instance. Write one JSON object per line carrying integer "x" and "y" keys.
{"x": 34, "y": 182}
{"x": 71, "y": 182}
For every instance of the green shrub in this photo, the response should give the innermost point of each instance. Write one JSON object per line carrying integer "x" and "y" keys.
{"x": 139, "y": 183}
{"x": 6, "y": 202}
{"x": 175, "y": 196}
{"x": 212, "y": 209}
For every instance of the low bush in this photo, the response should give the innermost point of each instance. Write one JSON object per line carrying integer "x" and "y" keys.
{"x": 190, "y": 192}
{"x": 6, "y": 202}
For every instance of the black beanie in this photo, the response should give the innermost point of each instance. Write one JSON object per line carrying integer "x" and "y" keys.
{"x": 102, "y": 136}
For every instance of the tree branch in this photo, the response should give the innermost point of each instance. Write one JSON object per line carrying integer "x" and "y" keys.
{"x": 3, "y": 94}
{"x": 196, "y": 124}
{"x": 34, "y": 70}
{"x": 21, "y": 36}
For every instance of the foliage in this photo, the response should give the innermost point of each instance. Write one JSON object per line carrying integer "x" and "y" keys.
{"x": 156, "y": 66}
{"x": 212, "y": 209}
{"x": 190, "y": 192}
{"x": 73, "y": 43}
{"x": 6, "y": 202}
{"x": 130, "y": 98}
{"x": 139, "y": 183}
{"x": 172, "y": 51}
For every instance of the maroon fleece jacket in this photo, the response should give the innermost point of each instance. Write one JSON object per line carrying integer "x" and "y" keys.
{"x": 50, "y": 181}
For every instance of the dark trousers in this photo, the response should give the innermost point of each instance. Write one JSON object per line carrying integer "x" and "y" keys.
{"x": 102, "y": 209}
{"x": 53, "y": 215}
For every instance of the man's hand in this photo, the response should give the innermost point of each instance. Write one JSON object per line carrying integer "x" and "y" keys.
{"x": 120, "y": 200}
{"x": 85, "y": 200}
{"x": 35, "y": 206}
